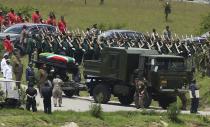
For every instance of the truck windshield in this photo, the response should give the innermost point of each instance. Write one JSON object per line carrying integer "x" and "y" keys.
{"x": 172, "y": 64}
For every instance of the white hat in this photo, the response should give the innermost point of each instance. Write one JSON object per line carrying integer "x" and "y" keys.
{"x": 5, "y": 54}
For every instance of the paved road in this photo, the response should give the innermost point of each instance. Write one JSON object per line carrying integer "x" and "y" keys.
{"x": 196, "y": 1}
{"x": 81, "y": 104}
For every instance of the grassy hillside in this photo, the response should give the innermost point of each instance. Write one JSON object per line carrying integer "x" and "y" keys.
{"x": 21, "y": 118}
{"x": 141, "y": 15}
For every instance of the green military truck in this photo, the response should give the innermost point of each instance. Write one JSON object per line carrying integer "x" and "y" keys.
{"x": 166, "y": 75}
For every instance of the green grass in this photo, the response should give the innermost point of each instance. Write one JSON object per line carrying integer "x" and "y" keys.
{"x": 20, "y": 118}
{"x": 141, "y": 15}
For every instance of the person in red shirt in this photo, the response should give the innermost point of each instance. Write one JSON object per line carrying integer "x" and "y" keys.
{"x": 8, "y": 45}
{"x": 62, "y": 25}
{"x": 12, "y": 16}
{"x": 1, "y": 19}
{"x": 52, "y": 19}
{"x": 19, "y": 18}
{"x": 36, "y": 17}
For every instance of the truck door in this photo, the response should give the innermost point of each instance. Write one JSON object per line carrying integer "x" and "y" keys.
{"x": 152, "y": 73}
{"x": 111, "y": 65}
{"x": 141, "y": 66}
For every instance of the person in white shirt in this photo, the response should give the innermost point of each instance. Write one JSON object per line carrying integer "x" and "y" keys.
{"x": 8, "y": 70}
{"x": 3, "y": 62}
{"x": 8, "y": 76}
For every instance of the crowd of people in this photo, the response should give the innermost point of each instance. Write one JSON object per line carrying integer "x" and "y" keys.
{"x": 12, "y": 18}
{"x": 47, "y": 88}
{"x": 86, "y": 44}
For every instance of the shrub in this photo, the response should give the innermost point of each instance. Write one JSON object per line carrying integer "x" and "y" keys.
{"x": 96, "y": 110}
{"x": 205, "y": 119}
{"x": 22, "y": 95}
{"x": 1, "y": 95}
{"x": 173, "y": 111}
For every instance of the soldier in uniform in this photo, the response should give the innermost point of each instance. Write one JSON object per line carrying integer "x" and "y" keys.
{"x": 56, "y": 47}
{"x": 30, "y": 46}
{"x": 30, "y": 75}
{"x": 17, "y": 68}
{"x": 96, "y": 48}
{"x": 194, "y": 99}
{"x": 43, "y": 76}
{"x": 88, "y": 48}
{"x": 31, "y": 97}
{"x": 139, "y": 93}
{"x": 46, "y": 92}
{"x": 183, "y": 99}
{"x": 38, "y": 40}
{"x": 167, "y": 10}
{"x": 57, "y": 91}
{"x": 78, "y": 49}
{"x": 23, "y": 36}
{"x": 167, "y": 33}
{"x": 46, "y": 45}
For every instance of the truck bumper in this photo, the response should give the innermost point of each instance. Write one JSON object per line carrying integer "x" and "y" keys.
{"x": 173, "y": 90}
{"x": 75, "y": 86}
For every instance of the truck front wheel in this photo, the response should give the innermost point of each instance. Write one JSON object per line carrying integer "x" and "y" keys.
{"x": 101, "y": 94}
{"x": 126, "y": 100}
{"x": 164, "y": 102}
{"x": 143, "y": 101}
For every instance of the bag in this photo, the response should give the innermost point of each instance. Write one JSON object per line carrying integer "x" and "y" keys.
{"x": 197, "y": 95}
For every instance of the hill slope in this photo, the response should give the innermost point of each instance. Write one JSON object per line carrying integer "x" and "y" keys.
{"x": 141, "y": 15}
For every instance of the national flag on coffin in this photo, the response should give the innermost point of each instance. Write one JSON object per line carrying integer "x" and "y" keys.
{"x": 50, "y": 57}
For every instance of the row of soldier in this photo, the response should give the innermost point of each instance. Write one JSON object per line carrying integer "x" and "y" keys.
{"x": 89, "y": 46}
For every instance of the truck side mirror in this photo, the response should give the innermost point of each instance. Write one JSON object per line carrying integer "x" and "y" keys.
{"x": 152, "y": 61}
{"x": 155, "y": 68}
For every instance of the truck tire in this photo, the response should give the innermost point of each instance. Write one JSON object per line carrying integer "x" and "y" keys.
{"x": 12, "y": 103}
{"x": 164, "y": 102}
{"x": 101, "y": 94}
{"x": 142, "y": 101}
{"x": 126, "y": 100}
{"x": 147, "y": 100}
{"x": 68, "y": 93}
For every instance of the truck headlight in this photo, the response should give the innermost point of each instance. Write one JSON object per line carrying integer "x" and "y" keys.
{"x": 163, "y": 82}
